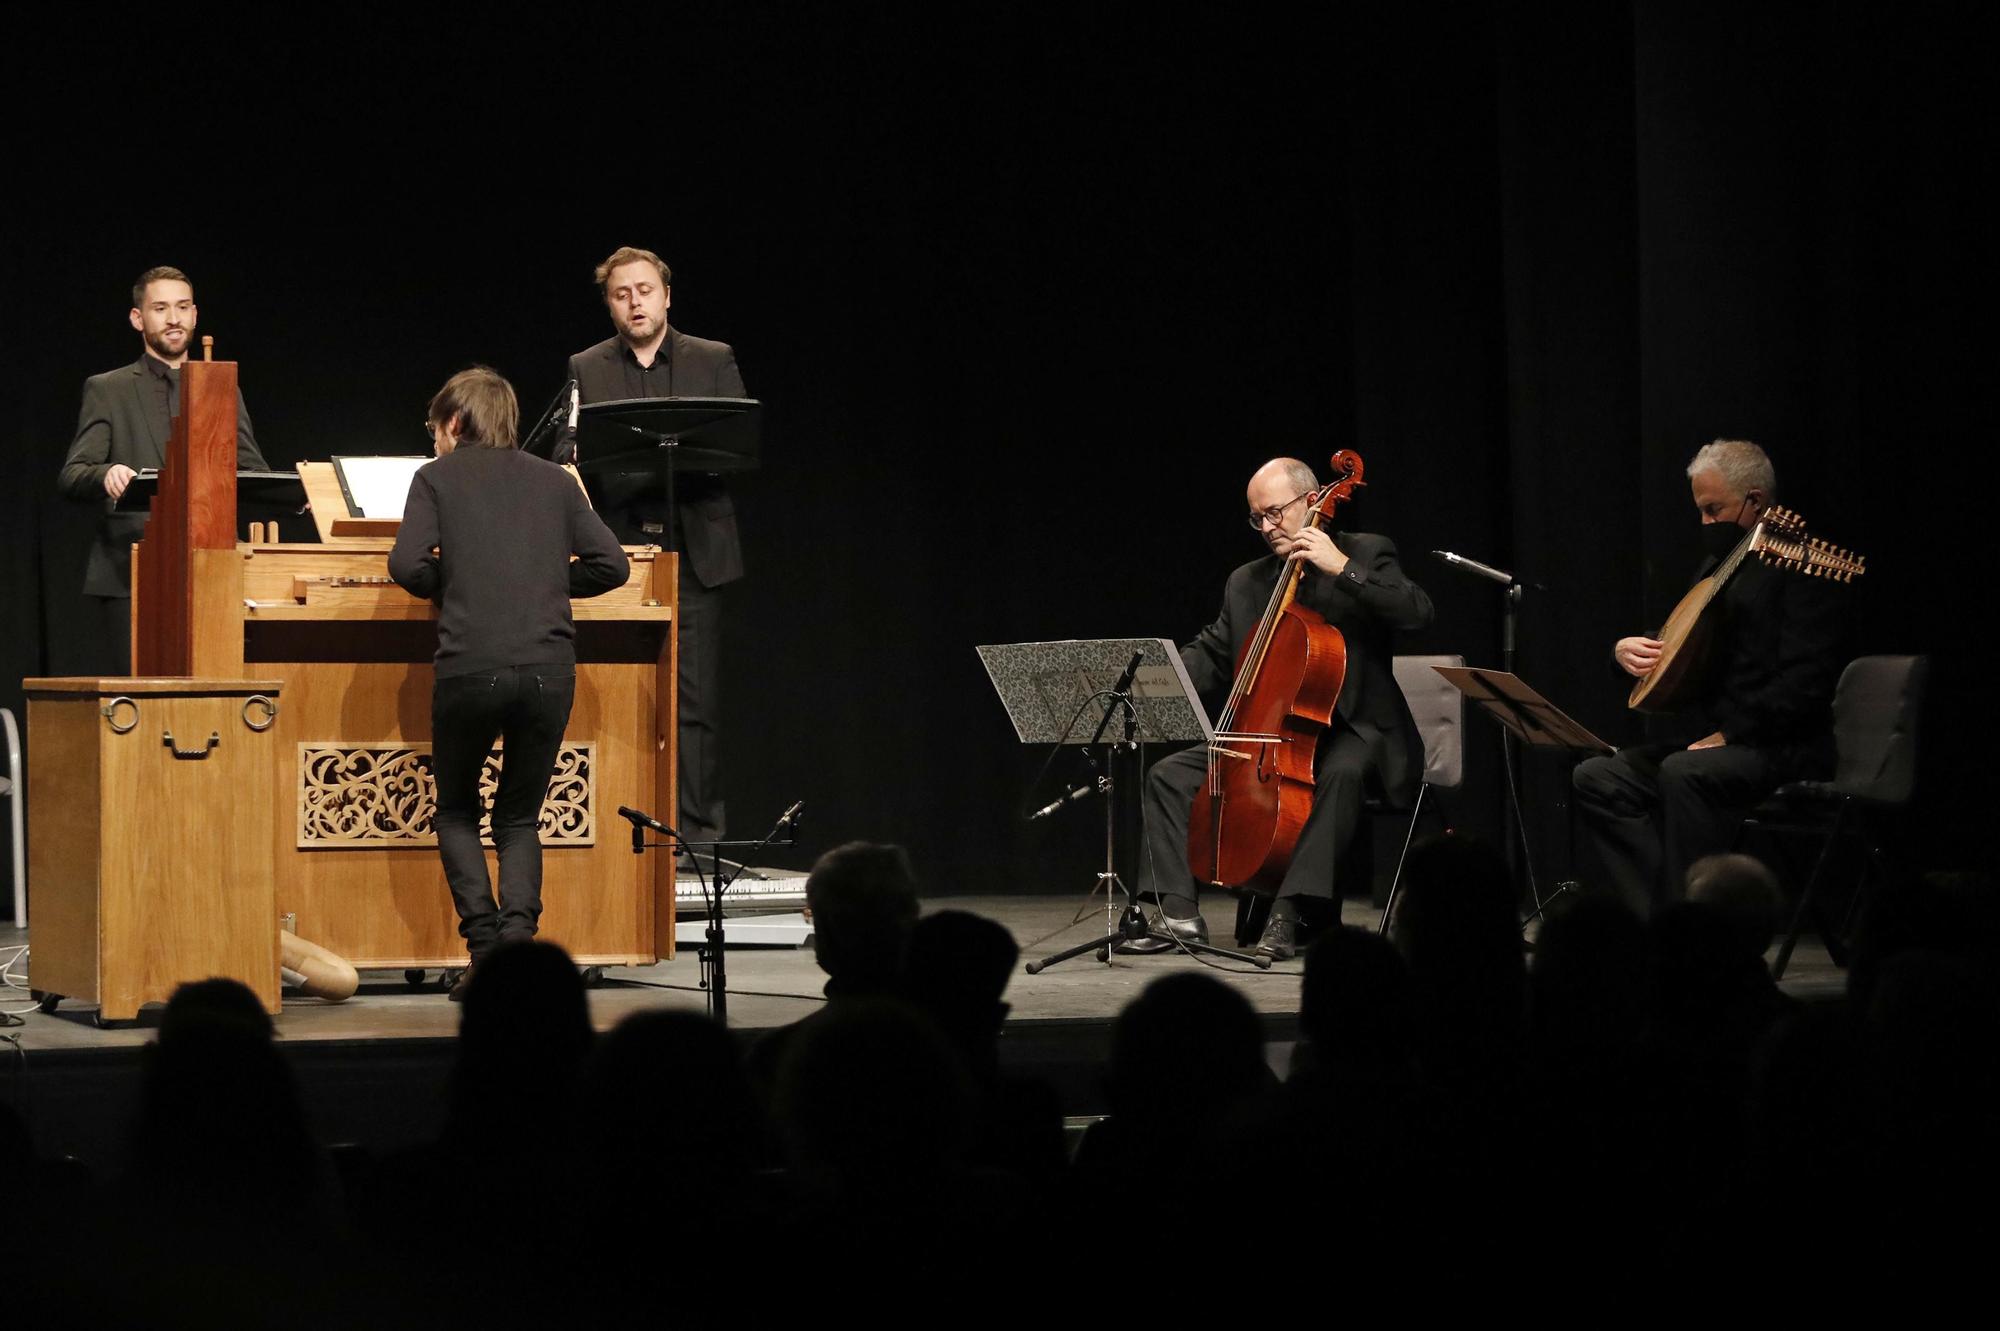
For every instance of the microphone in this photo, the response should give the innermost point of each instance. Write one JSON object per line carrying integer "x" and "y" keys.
{"x": 1055, "y": 806}
{"x": 1131, "y": 673}
{"x": 552, "y": 418}
{"x": 639, "y": 820}
{"x": 575, "y": 402}
{"x": 1474, "y": 567}
{"x": 788, "y": 819}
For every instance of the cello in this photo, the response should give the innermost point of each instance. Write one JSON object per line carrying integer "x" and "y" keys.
{"x": 1247, "y": 817}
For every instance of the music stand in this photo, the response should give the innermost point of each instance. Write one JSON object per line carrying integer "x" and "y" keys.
{"x": 1534, "y": 721}
{"x": 279, "y": 490}
{"x": 1047, "y": 687}
{"x": 665, "y": 435}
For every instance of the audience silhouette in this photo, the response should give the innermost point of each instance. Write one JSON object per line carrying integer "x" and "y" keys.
{"x": 1635, "y": 1103}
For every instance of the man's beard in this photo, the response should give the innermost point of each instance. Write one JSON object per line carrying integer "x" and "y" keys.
{"x": 637, "y": 337}
{"x": 157, "y": 343}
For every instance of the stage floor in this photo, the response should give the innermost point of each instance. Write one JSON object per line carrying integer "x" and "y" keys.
{"x": 773, "y": 986}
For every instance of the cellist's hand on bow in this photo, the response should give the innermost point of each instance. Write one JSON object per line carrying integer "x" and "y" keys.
{"x": 1315, "y": 547}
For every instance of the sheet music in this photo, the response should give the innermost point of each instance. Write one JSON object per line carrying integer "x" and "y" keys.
{"x": 375, "y": 487}
{"x": 1043, "y": 685}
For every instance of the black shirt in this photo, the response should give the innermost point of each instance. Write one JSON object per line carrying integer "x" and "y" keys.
{"x": 655, "y": 380}
{"x": 505, "y": 525}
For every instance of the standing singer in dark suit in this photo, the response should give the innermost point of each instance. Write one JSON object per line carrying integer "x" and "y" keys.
{"x": 123, "y": 427}
{"x": 649, "y": 358}
{"x": 1355, "y": 583}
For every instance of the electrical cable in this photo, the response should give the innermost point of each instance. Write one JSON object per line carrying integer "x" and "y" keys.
{"x": 19, "y": 954}
{"x": 698, "y": 989}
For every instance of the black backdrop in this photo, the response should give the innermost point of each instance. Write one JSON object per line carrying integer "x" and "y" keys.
{"x": 1031, "y": 293}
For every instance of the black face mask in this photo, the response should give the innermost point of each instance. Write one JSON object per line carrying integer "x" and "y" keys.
{"x": 1719, "y": 538}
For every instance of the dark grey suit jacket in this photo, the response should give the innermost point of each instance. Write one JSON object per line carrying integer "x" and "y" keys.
{"x": 696, "y": 367}
{"x": 1368, "y": 603}
{"x": 124, "y": 420}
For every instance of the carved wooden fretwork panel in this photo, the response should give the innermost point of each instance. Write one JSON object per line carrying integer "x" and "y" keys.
{"x": 375, "y": 796}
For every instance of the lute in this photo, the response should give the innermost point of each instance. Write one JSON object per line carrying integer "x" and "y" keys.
{"x": 1780, "y": 540}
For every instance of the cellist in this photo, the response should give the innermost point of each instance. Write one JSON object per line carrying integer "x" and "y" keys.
{"x": 1352, "y": 579}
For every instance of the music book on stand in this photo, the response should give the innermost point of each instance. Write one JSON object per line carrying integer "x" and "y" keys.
{"x": 254, "y": 489}
{"x": 1044, "y": 685}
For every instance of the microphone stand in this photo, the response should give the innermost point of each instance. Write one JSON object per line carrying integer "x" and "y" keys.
{"x": 550, "y": 415}
{"x": 1130, "y": 924}
{"x": 1519, "y": 857}
{"x": 714, "y": 951}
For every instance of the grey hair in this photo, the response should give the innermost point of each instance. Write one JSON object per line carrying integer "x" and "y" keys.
{"x": 1742, "y": 465}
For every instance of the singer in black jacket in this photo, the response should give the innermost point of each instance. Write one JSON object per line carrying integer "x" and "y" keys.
{"x": 648, "y": 358}
{"x": 489, "y": 532}
{"x": 1354, "y": 581}
{"x": 123, "y": 428}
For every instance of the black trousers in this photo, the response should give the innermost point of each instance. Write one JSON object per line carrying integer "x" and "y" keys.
{"x": 1652, "y": 810}
{"x": 699, "y": 771}
{"x": 1340, "y": 771}
{"x": 113, "y": 650}
{"x": 526, "y": 707}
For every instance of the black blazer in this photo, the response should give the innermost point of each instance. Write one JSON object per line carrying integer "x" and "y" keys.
{"x": 1774, "y": 661}
{"x": 696, "y": 367}
{"x": 1368, "y": 603}
{"x": 124, "y": 420}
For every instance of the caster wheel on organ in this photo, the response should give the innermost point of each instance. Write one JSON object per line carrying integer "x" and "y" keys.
{"x": 46, "y": 1003}
{"x": 414, "y": 977}
{"x": 593, "y": 976}
{"x": 1104, "y": 955}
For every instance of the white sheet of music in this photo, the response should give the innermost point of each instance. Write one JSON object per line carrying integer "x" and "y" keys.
{"x": 377, "y": 486}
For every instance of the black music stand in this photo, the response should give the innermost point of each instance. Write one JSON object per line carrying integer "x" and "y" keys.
{"x": 282, "y": 492}
{"x": 1047, "y": 687}
{"x": 1532, "y": 720}
{"x": 666, "y": 435}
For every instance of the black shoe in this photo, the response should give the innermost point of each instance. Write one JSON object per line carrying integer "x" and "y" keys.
{"x": 1280, "y": 941}
{"x": 1187, "y": 928}
{"x": 464, "y": 981}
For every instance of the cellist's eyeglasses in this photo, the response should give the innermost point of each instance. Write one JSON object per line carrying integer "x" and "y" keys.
{"x": 1276, "y": 516}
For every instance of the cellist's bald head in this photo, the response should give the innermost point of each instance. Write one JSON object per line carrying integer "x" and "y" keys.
{"x": 1289, "y": 471}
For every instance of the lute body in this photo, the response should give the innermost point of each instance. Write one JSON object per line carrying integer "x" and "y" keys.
{"x": 1686, "y": 640}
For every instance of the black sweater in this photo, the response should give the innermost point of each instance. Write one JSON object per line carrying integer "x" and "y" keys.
{"x": 505, "y": 525}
